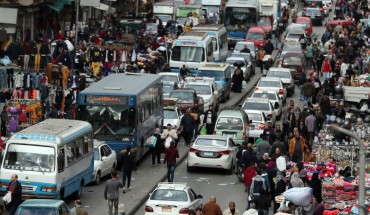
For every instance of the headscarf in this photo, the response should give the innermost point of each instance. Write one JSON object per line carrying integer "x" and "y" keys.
{"x": 296, "y": 181}
{"x": 280, "y": 177}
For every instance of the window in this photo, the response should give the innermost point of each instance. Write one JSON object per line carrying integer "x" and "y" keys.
{"x": 61, "y": 160}
{"x": 79, "y": 147}
{"x": 107, "y": 151}
{"x": 63, "y": 210}
{"x": 191, "y": 196}
{"x": 223, "y": 40}
{"x": 88, "y": 143}
{"x": 71, "y": 152}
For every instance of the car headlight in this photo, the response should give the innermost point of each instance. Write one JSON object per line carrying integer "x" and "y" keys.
{"x": 48, "y": 188}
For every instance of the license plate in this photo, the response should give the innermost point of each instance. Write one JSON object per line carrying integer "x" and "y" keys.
{"x": 166, "y": 209}
{"x": 229, "y": 135}
{"x": 208, "y": 153}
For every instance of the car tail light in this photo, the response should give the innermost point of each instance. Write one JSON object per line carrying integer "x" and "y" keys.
{"x": 246, "y": 127}
{"x": 262, "y": 126}
{"x": 269, "y": 116}
{"x": 244, "y": 136}
{"x": 320, "y": 8}
{"x": 304, "y": 8}
{"x": 256, "y": 88}
{"x": 184, "y": 211}
{"x": 193, "y": 150}
{"x": 214, "y": 132}
{"x": 225, "y": 152}
{"x": 281, "y": 91}
{"x": 148, "y": 209}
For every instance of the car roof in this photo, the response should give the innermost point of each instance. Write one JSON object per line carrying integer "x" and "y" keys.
{"x": 172, "y": 185}
{"x": 293, "y": 54}
{"x": 213, "y": 137}
{"x": 270, "y": 79}
{"x": 235, "y": 58}
{"x": 230, "y": 113}
{"x": 49, "y": 203}
{"x": 256, "y": 29}
{"x": 303, "y": 18}
{"x": 198, "y": 83}
{"x": 169, "y": 73}
{"x": 279, "y": 69}
{"x": 258, "y": 100}
{"x": 98, "y": 143}
{"x": 245, "y": 42}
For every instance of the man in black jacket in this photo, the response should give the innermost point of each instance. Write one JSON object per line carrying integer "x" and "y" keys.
{"x": 188, "y": 125}
{"x": 128, "y": 164}
{"x": 16, "y": 190}
{"x": 210, "y": 117}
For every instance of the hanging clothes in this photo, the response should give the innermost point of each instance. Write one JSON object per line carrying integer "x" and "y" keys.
{"x": 95, "y": 66}
{"x": 23, "y": 113}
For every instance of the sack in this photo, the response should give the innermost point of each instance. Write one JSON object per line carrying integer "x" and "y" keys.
{"x": 167, "y": 142}
{"x": 7, "y": 198}
{"x": 299, "y": 195}
{"x": 5, "y": 61}
{"x": 281, "y": 163}
{"x": 203, "y": 130}
{"x": 151, "y": 142}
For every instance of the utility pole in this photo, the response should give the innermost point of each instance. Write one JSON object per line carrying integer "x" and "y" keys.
{"x": 76, "y": 26}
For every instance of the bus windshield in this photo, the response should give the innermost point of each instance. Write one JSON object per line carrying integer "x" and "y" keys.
{"x": 110, "y": 121}
{"x": 240, "y": 19}
{"x": 34, "y": 158}
{"x": 188, "y": 54}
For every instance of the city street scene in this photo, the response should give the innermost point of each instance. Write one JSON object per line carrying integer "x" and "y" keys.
{"x": 163, "y": 107}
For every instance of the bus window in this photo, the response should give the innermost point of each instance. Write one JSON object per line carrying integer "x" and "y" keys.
{"x": 88, "y": 143}
{"x": 61, "y": 160}
{"x": 79, "y": 148}
{"x": 214, "y": 44}
{"x": 71, "y": 152}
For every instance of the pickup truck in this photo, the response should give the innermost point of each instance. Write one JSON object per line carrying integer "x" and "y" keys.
{"x": 187, "y": 98}
{"x": 356, "y": 95}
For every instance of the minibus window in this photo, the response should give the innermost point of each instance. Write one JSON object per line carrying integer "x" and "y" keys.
{"x": 61, "y": 160}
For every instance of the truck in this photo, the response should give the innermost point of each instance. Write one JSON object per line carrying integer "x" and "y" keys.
{"x": 271, "y": 10}
{"x": 165, "y": 11}
{"x": 356, "y": 95}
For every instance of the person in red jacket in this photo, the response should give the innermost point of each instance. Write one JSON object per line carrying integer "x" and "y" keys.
{"x": 170, "y": 158}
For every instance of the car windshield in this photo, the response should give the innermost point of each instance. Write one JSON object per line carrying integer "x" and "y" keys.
{"x": 170, "y": 78}
{"x": 292, "y": 61}
{"x": 167, "y": 88}
{"x": 240, "y": 19}
{"x": 229, "y": 123}
{"x": 35, "y": 211}
{"x": 251, "y": 105}
{"x": 169, "y": 195}
{"x": 270, "y": 96}
{"x": 217, "y": 74}
{"x": 288, "y": 48}
{"x": 264, "y": 22}
{"x": 241, "y": 46}
{"x": 278, "y": 74}
{"x": 170, "y": 114}
{"x": 188, "y": 54}
{"x": 232, "y": 61}
{"x": 200, "y": 89}
{"x": 254, "y": 36}
{"x": 266, "y": 83}
{"x": 306, "y": 24}
{"x": 110, "y": 122}
{"x": 34, "y": 158}
{"x": 255, "y": 117}
{"x": 164, "y": 18}
{"x": 294, "y": 36}
{"x": 210, "y": 142}
{"x": 182, "y": 96}
{"x": 96, "y": 154}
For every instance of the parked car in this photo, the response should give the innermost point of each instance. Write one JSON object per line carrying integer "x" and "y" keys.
{"x": 257, "y": 123}
{"x": 105, "y": 160}
{"x": 44, "y": 206}
{"x": 314, "y": 14}
{"x": 172, "y": 198}
{"x": 285, "y": 76}
{"x": 296, "y": 63}
{"x": 241, "y": 45}
{"x": 274, "y": 84}
{"x": 261, "y": 104}
{"x": 213, "y": 151}
{"x": 257, "y": 36}
{"x": 274, "y": 98}
{"x": 306, "y": 21}
{"x": 233, "y": 122}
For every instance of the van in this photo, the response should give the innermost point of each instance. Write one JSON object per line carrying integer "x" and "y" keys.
{"x": 233, "y": 122}
{"x": 256, "y": 35}
{"x": 344, "y": 23}
{"x": 306, "y": 21}
{"x": 313, "y": 3}
{"x": 221, "y": 72}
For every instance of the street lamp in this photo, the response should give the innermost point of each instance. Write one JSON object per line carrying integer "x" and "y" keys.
{"x": 361, "y": 202}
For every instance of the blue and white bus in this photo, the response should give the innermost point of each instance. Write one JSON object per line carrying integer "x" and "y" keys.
{"x": 53, "y": 159}
{"x": 239, "y": 16}
{"x": 123, "y": 110}
{"x": 192, "y": 49}
{"x": 218, "y": 34}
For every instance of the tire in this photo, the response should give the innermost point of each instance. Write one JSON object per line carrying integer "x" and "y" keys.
{"x": 98, "y": 178}
{"x": 113, "y": 168}
{"x": 78, "y": 193}
{"x": 189, "y": 169}
{"x": 231, "y": 170}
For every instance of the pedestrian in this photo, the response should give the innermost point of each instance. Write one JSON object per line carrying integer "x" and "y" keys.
{"x": 302, "y": 129}
{"x": 275, "y": 35}
{"x": 170, "y": 158}
{"x": 128, "y": 161}
{"x": 237, "y": 80}
{"x": 262, "y": 148}
{"x": 296, "y": 147}
{"x": 4, "y": 120}
{"x": 199, "y": 211}
{"x": 289, "y": 121}
{"x": 184, "y": 71}
{"x": 211, "y": 207}
{"x": 310, "y": 123}
{"x": 245, "y": 50}
{"x": 326, "y": 68}
{"x": 187, "y": 126}
{"x": 210, "y": 117}
{"x": 260, "y": 56}
{"x": 111, "y": 193}
{"x": 278, "y": 133}
{"x": 268, "y": 132}
{"x": 78, "y": 209}
{"x": 303, "y": 114}
{"x": 1, "y": 209}
{"x": 196, "y": 114}
{"x": 316, "y": 186}
{"x": 308, "y": 91}
{"x": 257, "y": 188}
{"x": 308, "y": 155}
{"x": 231, "y": 210}
{"x": 280, "y": 187}
{"x": 15, "y": 188}
{"x": 158, "y": 149}
{"x": 295, "y": 181}
{"x": 169, "y": 135}
{"x": 269, "y": 47}
{"x": 248, "y": 161}
{"x": 277, "y": 144}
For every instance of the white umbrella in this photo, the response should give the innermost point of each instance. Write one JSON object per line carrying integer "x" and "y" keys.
{"x": 69, "y": 45}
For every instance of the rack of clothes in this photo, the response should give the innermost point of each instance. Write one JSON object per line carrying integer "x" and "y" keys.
{"x": 23, "y": 113}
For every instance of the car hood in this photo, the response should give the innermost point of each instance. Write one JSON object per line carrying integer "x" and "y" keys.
{"x": 205, "y": 97}
{"x": 170, "y": 121}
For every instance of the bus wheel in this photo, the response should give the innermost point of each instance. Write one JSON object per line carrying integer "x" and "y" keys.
{"x": 79, "y": 191}
{"x": 97, "y": 180}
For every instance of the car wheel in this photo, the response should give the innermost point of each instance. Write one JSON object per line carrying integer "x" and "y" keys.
{"x": 98, "y": 176}
{"x": 189, "y": 168}
{"x": 113, "y": 168}
{"x": 78, "y": 193}
{"x": 231, "y": 170}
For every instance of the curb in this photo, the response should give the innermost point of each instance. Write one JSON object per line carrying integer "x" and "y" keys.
{"x": 143, "y": 200}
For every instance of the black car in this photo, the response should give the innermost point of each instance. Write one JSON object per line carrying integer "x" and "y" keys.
{"x": 315, "y": 14}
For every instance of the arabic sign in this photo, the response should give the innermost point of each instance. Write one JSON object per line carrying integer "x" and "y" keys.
{"x": 95, "y": 99}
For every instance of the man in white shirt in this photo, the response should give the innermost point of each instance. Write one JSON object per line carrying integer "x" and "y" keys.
{"x": 231, "y": 210}
{"x": 169, "y": 133}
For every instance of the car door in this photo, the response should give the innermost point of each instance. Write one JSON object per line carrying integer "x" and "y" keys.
{"x": 234, "y": 150}
{"x": 195, "y": 201}
{"x": 107, "y": 164}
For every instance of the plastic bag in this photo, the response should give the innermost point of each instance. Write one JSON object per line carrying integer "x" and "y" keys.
{"x": 5, "y": 61}
{"x": 7, "y": 198}
{"x": 281, "y": 163}
{"x": 151, "y": 142}
{"x": 167, "y": 142}
{"x": 299, "y": 195}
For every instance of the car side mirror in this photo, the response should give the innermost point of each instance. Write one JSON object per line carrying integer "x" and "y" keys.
{"x": 250, "y": 121}
{"x": 104, "y": 158}
{"x": 276, "y": 105}
{"x": 199, "y": 197}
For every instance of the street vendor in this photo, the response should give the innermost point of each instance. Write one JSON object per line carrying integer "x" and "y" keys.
{"x": 324, "y": 172}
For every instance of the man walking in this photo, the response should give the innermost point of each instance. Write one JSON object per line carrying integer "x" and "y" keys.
{"x": 170, "y": 158}
{"x": 308, "y": 92}
{"x": 310, "y": 123}
{"x": 128, "y": 164}
{"x": 210, "y": 117}
{"x": 211, "y": 207}
{"x": 15, "y": 188}
{"x": 169, "y": 133}
{"x": 262, "y": 148}
{"x": 296, "y": 147}
{"x": 231, "y": 210}
{"x": 111, "y": 193}
{"x": 188, "y": 125}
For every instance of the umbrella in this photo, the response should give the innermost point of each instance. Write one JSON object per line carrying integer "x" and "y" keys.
{"x": 69, "y": 45}
{"x": 239, "y": 63}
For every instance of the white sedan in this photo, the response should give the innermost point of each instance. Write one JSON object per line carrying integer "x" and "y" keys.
{"x": 171, "y": 115}
{"x": 212, "y": 152}
{"x": 172, "y": 198}
{"x": 272, "y": 84}
{"x": 172, "y": 77}
{"x": 274, "y": 99}
{"x": 105, "y": 160}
